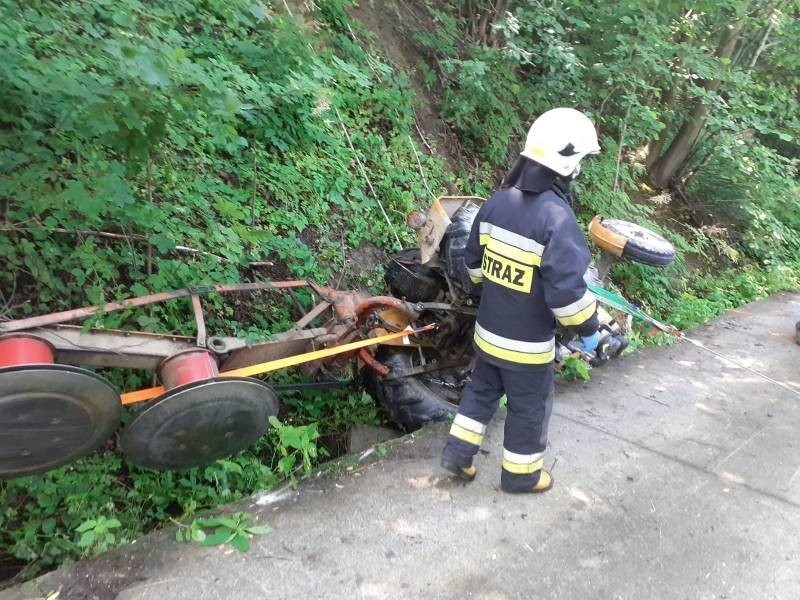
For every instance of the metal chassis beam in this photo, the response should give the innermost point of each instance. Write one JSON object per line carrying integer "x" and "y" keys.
{"x": 78, "y": 346}
{"x": 142, "y": 350}
{"x": 83, "y": 313}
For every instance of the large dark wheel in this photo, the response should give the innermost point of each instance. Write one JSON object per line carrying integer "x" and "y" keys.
{"x": 198, "y": 423}
{"x": 52, "y": 415}
{"x": 411, "y": 402}
{"x": 408, "y": 279}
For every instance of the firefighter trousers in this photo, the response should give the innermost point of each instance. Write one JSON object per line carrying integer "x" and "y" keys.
{"x": 530, "y": 402}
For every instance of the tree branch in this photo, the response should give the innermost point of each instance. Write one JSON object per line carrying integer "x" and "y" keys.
{"x": 619, "y": 150}
{"x": 763, "y": 44}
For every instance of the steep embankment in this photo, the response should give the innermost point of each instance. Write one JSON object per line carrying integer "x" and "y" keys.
{"x": 148, "y": 146}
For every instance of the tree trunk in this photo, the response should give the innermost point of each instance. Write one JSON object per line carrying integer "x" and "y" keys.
{"x": 480, "y": 18}
{"x": 665, "y": 166}
{"x": 668, "y": 99}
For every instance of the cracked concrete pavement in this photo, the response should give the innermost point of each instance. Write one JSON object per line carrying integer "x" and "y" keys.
{"x": 677, "y": 476}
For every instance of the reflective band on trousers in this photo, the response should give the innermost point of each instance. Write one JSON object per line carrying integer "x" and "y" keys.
{"x": 577, "y": 312}
{"x": 522, "y": 464}
{"x": 468, "y": 430}
{"x": 530, "y": 353}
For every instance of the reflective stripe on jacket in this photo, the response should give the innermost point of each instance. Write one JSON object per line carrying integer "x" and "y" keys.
{"x": 531, "y": 255}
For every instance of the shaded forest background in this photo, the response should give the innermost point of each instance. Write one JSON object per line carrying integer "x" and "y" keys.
{"x": 153, "y": 145}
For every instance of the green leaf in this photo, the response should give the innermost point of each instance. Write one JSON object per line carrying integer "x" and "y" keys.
{"x": 112, "y": 523}
{"x": 86, "y": 539}
{"x": 217, "y": 538}
{"x": 231, "y": 466}
{"x": 241, "y": 542}
{"x": 259, "y": 529}
{"x": 161, "y": 243}
{"x": 257, "y": 10}
{"x": 286, "y": 464}
{"x": 48, "y": 526}
{"x": 218, "y": 522}
{"x": 227, "y": 522}
{"x": 198, "y": 535}
{"x": 290, "y": 437}
{"x": 86, "y": 525}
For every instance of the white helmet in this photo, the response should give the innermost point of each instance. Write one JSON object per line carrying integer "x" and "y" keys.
{"x": 559, "y": 139}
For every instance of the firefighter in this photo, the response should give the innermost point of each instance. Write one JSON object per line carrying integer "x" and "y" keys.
{"x": 528, "y": 251}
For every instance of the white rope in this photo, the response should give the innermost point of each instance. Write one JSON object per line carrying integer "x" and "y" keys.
{"x": 701, "y": 345}
{"x": 397, "y": 114}
{"x": 369, "y": 183}
{"x": 419, "y": 164}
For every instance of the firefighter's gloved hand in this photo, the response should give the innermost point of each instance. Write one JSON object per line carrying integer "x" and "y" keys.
{"x": 589, "y": 343}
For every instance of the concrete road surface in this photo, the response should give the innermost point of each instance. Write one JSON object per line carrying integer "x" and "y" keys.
{"x": 677, "y": 476}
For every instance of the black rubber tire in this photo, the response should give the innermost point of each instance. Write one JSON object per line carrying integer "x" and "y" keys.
{"x": 408, "y": 279}
{"x": 409, "y": 402}
{"x": 797, "y": 332}
{"x": 643, "y": 246}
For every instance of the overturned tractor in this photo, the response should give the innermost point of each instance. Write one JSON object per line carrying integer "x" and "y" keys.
{"x": 415, "y": 348}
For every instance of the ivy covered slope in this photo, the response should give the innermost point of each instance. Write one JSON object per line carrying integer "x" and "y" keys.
{"x": 217, "y": 126}
{"x": 147, "y": 146}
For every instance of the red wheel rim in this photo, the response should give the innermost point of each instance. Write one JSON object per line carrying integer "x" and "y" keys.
{"x": 19, "y": 350}
{"x": 185, "y": 367}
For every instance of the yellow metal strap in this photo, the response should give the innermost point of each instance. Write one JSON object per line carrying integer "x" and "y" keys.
{"x": 281, "y": 363}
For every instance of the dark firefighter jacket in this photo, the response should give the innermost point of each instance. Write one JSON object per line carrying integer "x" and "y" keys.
{"x": 528, "y": 250}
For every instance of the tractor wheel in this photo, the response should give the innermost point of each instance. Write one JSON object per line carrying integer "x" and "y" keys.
{"x": 411, "y": 402}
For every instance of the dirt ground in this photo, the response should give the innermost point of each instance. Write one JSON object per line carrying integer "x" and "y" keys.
{"x": 392, "y": 24}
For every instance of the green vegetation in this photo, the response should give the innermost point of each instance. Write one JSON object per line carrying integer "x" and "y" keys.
{"x": 130, "y": 130}
{"x": 235, "y": 530}
{"x": 574, "y": 368}
{"x": 151, "y": 145}
{"x": 698, "y": 113}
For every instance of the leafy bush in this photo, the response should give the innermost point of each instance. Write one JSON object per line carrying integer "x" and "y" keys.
{"x": 754, "y": 189}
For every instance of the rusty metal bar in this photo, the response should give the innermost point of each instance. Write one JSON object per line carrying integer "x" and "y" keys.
{"x": 197, "y": 309}
{"x": 312, "y": 314}
{"x": 83, "y": 313}
{"x": 373, "y": 363}
{"x": 111, "y": 347}
{"x": 363, "y": 309}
